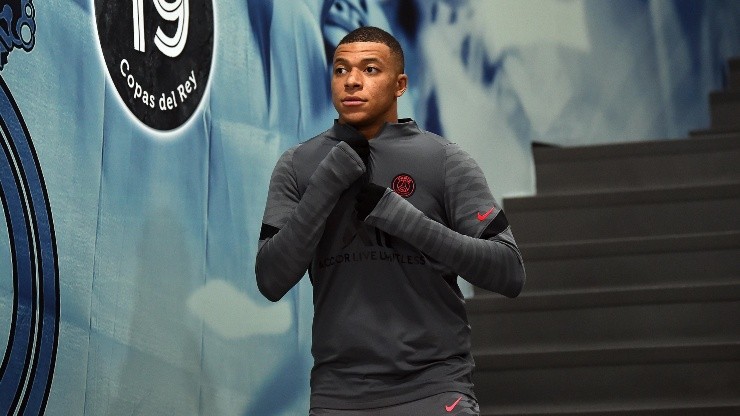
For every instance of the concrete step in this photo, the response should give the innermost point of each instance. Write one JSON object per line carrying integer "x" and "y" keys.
{"x": 701, "y": 313}
{"x": 712, "y": 132}
{"x": 602, "y": 355}
{"x": 637, "y": 378}
{"x": 638, "y": 165}
{"x": 724, "y": 109}
{"x": 596, "y": 393}
{"x": 622, "y": 214}
{"x": 635, "y": 262}
{"x": 640, "y": 386}
{"x": 675, "y": 407}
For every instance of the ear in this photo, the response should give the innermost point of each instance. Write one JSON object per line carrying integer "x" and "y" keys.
{"x": 401, "y": 84}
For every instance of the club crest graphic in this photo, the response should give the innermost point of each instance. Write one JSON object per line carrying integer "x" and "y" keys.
{"x": 158, "y": 54}
{"x": 29, "y": 355}
{"x": 403, "y": 185}
{"x": 17, "y": 27}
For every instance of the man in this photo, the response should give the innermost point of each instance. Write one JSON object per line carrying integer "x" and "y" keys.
{"x": 384, "y": 216}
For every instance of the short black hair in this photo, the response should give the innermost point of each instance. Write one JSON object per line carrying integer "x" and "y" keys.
{"x": 377, "y": 35}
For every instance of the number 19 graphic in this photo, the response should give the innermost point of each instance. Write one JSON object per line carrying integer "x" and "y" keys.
{"x": 174, "y": 11}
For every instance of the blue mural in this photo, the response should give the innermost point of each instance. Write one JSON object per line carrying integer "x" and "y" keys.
{"x": 140, "y": 297}
{"x": 30, "y": 253}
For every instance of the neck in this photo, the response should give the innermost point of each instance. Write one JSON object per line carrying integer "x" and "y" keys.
{"x": 370, "y": 131}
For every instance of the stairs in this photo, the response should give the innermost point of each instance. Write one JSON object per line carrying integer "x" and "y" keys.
{"x": 632, "y": 300}
{"x": 725, "y": 105}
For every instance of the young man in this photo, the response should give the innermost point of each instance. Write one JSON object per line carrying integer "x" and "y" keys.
{"x": 384, "y": 216}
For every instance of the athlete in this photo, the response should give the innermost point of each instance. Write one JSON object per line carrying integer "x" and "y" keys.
{"x": 384, "y": 216}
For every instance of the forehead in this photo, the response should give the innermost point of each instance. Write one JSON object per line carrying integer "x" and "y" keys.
{"x": 359, "y": 51}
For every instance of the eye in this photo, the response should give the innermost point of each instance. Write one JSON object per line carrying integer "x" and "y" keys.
{"x": 340, "y": 70}
{"x": 372, "y": 70}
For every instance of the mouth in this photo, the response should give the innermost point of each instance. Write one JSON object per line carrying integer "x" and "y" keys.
{"x": 352, "y": 101}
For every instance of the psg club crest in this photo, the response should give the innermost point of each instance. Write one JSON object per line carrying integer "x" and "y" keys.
{"x": 403, "y": 185}
{"x": 158, "y": 54}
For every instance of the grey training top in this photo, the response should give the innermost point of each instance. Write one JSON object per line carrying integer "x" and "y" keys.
{"x": 389, "y": 318}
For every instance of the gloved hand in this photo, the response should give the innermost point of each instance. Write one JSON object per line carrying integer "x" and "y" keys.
{"x": 361, "y": 146}
{"x": 367, "y": 199}
{"x": 340, "y": 168}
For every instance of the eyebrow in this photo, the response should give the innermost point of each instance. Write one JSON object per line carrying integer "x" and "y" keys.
{"x": 362, "y": 61}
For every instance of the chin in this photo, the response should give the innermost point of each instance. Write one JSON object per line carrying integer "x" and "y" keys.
{"x": 353, "y": 121}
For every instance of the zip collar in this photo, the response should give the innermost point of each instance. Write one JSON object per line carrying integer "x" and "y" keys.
{"x": 404, "y": 128}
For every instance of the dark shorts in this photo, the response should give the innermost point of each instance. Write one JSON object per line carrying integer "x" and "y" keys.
{"x": 443, "y": 404}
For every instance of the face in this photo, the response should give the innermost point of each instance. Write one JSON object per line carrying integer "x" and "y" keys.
{"x": 365, "y": 85}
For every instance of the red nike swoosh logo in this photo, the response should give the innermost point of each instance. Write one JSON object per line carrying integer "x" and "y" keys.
{"x": 482, "y": 217}
{"x": 452, "y": 406}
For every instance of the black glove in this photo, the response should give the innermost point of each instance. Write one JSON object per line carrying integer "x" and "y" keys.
{"x": 361, "y": 146}
{"x": 367, "y": 199}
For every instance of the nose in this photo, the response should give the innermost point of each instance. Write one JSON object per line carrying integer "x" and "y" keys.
{"x": 353, "y": 79}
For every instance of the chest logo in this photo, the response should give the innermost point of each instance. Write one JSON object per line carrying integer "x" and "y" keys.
{"x": 403, "y": 185}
